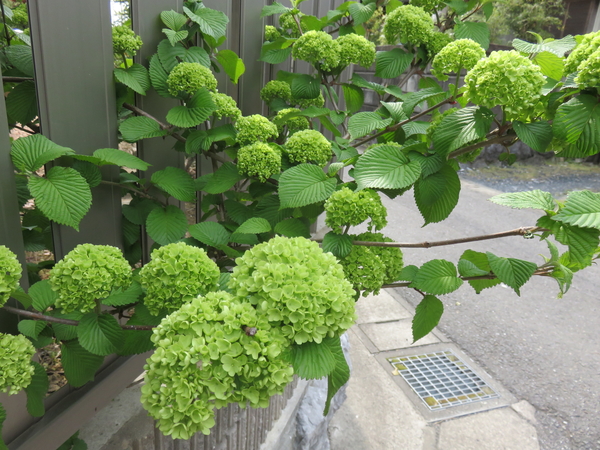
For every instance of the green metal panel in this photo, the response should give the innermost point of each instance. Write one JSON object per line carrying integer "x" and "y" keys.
{"x": 73, "y": 59}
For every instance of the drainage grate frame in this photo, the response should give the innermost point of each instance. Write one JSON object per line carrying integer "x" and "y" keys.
{"x": 441, "y": 379}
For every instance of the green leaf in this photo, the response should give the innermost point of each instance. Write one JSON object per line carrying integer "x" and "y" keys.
{"x": 166, "y": 225}
{"x": 363, "y": 123}
{"x": 481, "y": 267}
{"x": 427, "y": 315}
{"x": 362, "y": 83}
{"x": 340, "y": 374}
{"x": 63, "y": 195}
{"x": 210, "y": 233}
{"x": 232, "y": 64}
{"x": 31, "y": 328}
{"x": 170, "y": 55}
{"x": 42, "y": 295}
{"x": 354, "y": 97}
{"x": 237, "y": 212}
{"x": 293, "y": 228}
{"x": 138, "y": 341}
{"x": 552, "y": 66}
{"x": 23, "y": 298}
{"x": 100, "y": 334}
{"x": 477, "y": 31}
{"x": 305, "y": 86}
{"x": 537, "y": 135}
{"x": 361, "y": 12}
{"x": 36, "y": 391}
{"x": 135, "y": 77}
{"x": 275, "y": 8}
{"x": 176, "y": 182}
{"x": 277, "y": 51}
{"x": 79, "y": 365}
{"x": 255, "y": 225}
{"x": 512, "y": 272}
{"x": 158, "y": 77}
{"x": 198, "y": 109}
{"x": 531, "y": 199}
{"x": 578, "y": 122}
{"x": 137, "y": 211}
{"x": 393, "y": 63}
{"x": 89, "y": 171}
{"x": 413, "y": 99}
{"x": 437, "y": 194}
{"x": 469, "y": 269}
{"x": 559, "y": 47}
{"x": 121, "y": 297}
{"x": 340, "y": 245}
{"x": 64, "y": 332}
{"x": 175, "y": 36}
{"x": 21, "y": 57}
{"x": 461, "y": 128}
{"x": 212, "y": 22}
{"x": 415, "y": 128}
{"x": 396, "y": 110}
{"x": 311, "y": 360}
{"x": 437, "y": 277}
{"x": 135, "y": 128}
{"x": 30, "y": 153}
{"x": 303, "y": 185}
{"x": 21, "y": 103}
{"x": 173, "y": 19}
{"x": 386, "y": 166}
{"x": 582, "y": 208}
{"x": 2, "y": 419}
{"x": 582, "y": 242}
{"x": 223, "y": 179}
{"x": 120, "y": 158}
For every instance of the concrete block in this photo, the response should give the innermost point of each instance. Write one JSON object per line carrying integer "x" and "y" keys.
{"x": 380, "y": 308}
{"x": 394, "y": 335}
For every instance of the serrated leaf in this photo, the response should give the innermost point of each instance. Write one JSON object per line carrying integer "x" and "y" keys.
{"x": 42, "y": 295}
{"x": 210, "y": 233}
{"x": 100, "y": 334}
{"x": 21, "y": 103}
{"x": 411, "y": 100}
{"x": 480, "y": 261}
{"x": 79, "y": 365}
{"x": 311, "y": 360}
{"x": 461, "y": 128}
{"x": 21, "y": 57}
{"x": 363, "y": 123}
{"x": 362, "y": 83}
{"x": 135, "y": 128}
{"x": 573, "y": 117}
{"x": 277, "y": 51}
{"x": 170, "y": 55}
{"x": 30, "y": 153}
{"x": 531, "y": 199}
{"x": 23, "y": 298}
{"x": 158, "y": 77}
{"x": 396, "y": 111}
{"x": 211, "y": 22}
{"x": 437, "y": 194}
{"x": 386, "y": 166}
{"x": 415, "y": 128}
{"x": 232, "y": 64}
{"x": 469, "y": 269}
{"x": 197, "y": 110}
{"x": 36, "y": 391}
{"x": 340, "y": 245}
{"x": 135, "y": 77}
{"x": 582, "y": 208}
{"x": 31, "y": 328}
{"x": 354, "y": 97}
{"x": 361, "y": 12}
{"x": 63, "y": 195}
{"x": 551, "y": 65}
{"x": 223, "y": 179}
{"x": 537, "y": 135}
{"x": 408, "y": 273}
{"x": 477, "y": 31}
{"x": 237, "y": 212}
{"x": 121, "y": 297}
{"x": 427, "y": 316}
{"x": 120, "y": 158}
{"x": 175, "y": 36}
{"x": 437, "y": 277}
{"x": 166, "y": 225}
{"x": 255, "y": 225}
{"x": 173, "y": 19}
{"x": 340, "y": 374}
{"x": 582, "y": 242}
{"x": 138, "y": 341}
{"x": 303, "y": 185}
{"x": 559, "y": 47}
{"x": 305, "y": 87}
{"x": 512, "y": 272}
{"x": 293, "y": 228}
{"x": 429, "y": 164}
{"x": 275, "y": 8}
{"x": 176, "y": 182}
{"x": 392, "y": 63}
{"x": 89, "y": 171}
{"x": 64, "y": 332}
{"x": 137, "y": 211}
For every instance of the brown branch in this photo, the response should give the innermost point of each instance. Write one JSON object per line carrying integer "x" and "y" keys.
{"x": 16, "y": 79}
{"x": 495, "y": 140}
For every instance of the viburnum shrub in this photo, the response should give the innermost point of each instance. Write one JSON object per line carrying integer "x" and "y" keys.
{"x": 238, "y": 301}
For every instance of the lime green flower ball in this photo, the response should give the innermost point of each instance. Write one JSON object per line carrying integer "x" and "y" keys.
{"x": 364, "y": 269}
{"x": 506, "y": 79}
{"x": 391, "y": 257}
{"x": 355, "y": 49}
{"x": 10, "y": 273}
{"x": 588, "y": 45}
{"x": 15, "y": 360}
{"x": 259, "y": 160}
{"x": 457, "y": 55}
{"x": 588, "y": 72}
{"x": 177, "y": 273}
{"x": 293, "y": 124}
{"x": 298, "y": 287}
{"x": 304, "y": 103}
{"x": 347, "y": 208}
{"x": 408, "y": 24}
{"x": 288, "y": 23}
{"x": 276, "y": 89}
{"x": 317, "y": 48}
{"x": 125, "y": 40}
{"x": 271, "y": 33}
{"x": 226, "y": 106}
{"x": 308, "y": 146}
{"x": 88, "y": 273}
{"x": 255, "y": 128}
{"x": 437, "y": 42}
{"x": 20, "y": 16}
{"x": 189, "y": 78}
{"x": 428, "y": 5}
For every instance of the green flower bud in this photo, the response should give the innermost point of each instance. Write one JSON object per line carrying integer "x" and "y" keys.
{"x": 259, "y": 160}
{"x": 437, "y": 42}
{"x": 345, "y": 207}
{"x": 276, "y": 89}
{"x": 457, "y": 55}
{"x": 588, "y": 45}
{"x": 255, "y": 128}
{"x": 408, "y": 24}
{"x": 317, "y": 48}
{"x": 293, "y": 124}
{"x": 364, "y": 270}
{"x": 189, "y": 78}
{"x": 271, "y": 33}
{"x": 15, "y": 360}
{"x": 125, "y": 40}
{"x": 304, "y": 103}
{"x": 588, "y": 72}
{"x": 308, "y": 146}
{"x": 391, "y": 257}
{"x": 355, "y": 49}
{"x": 10, "y": 273}
{"x": 226, "y": 107}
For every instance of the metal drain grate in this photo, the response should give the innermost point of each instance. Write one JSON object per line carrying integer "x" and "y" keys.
{"x": 442, "y": 380}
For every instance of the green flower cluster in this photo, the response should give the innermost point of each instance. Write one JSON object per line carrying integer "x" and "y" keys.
{"x": 10, "y": 273}
{"x": 289, "y": 24}
{"x": 20, "y": 16}
{"x": 355, "y": 49}
{"x": 276, "y": 89}
{"x": 189, "y": 77}
{"x": 317, "y": 48}
{"x": 88, "y": 273}
{"x": 308, "y": 146}
{"x": 125, "y": 40}
{"x": 271, "y": 33}
{"x": 226, "y": 106}
{"x": 457, "y": 55}
{"x": 364, "y": 270}
{"x": 303, "y": 103}
{"x": 429, "y": 5}
{"x": 255, "y": 128}
{"x": 589, "y": 71}
{"x": 205, "y": 360}
{"x": 437, "y": 42}
{"x": 408, "y": 24}
{"x": 506, "y": 79}
{"x": 259, "y": 160}
{"x": 297, "y": 286}
{"x": 293, "y": 124}
{"x": 391, "y": 257}
{"x": 588, "y": 45}
{"x": 177, "y": 273}
{"x": 15, "y": 361}
{"x": 345, "y": 207}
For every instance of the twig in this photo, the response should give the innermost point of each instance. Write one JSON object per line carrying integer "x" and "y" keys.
{"x": 496, "y": 140}
{"x": 16, "y": 79}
